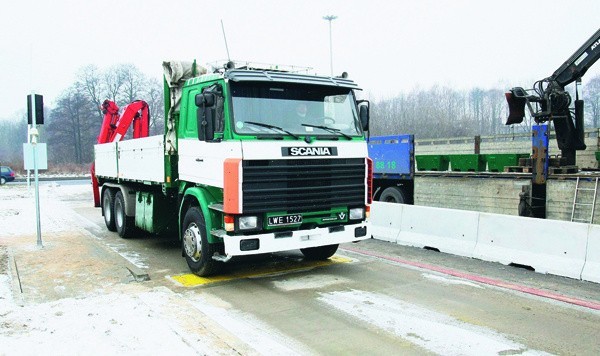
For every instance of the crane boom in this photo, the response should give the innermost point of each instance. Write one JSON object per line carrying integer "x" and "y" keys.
{"x": 549, "y": 101}
{"x": 114, "y": 128}
{"x": 576, "y": 66}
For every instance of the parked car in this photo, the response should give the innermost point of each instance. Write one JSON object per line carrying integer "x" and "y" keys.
{"x": 6, "y": 174}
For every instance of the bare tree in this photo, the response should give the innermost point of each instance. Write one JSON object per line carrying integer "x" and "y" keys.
{"x": 154, "y": 96}
{"x": 134, "y": 83}
{"x": 592, "y": 101}
{"x": 72, "y": 127}
{"x": 113, "y": 81}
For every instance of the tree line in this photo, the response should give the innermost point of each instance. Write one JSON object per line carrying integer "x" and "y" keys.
{"x": 443, "y": 112}
{"x": 73, "y": 123}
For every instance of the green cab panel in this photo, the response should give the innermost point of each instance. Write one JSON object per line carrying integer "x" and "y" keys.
{"x": 204, "y": 197}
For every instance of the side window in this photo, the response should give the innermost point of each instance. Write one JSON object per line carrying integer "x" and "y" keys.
{"x": 191, "y": 124}
{"x": 220, "y": 106}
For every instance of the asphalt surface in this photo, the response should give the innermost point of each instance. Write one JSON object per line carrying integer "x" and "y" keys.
{"x": 373, "y": 298}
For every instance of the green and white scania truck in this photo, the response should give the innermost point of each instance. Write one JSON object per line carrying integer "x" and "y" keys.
{"x": 252, "y": 161}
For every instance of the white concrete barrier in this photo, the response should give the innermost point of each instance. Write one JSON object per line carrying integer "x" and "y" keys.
{"x": 591, "y": 269}
{"x": 448, "y": 230}
{"x": 549, "y": 246}
{"x": 385, "y": 221}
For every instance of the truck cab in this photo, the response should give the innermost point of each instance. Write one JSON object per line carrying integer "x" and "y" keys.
{"x": 272, "y": 161}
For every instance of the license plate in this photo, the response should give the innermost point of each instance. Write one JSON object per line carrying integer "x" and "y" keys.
{"x": 285, "y": 220}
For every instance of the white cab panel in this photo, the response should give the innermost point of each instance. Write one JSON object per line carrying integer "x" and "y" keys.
{"x": 202, "y": 162}
{"x": 273, "y": 149}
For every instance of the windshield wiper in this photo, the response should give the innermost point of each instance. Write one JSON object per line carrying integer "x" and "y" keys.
{"x": 330, "y": 129}
{"x": 272, "y": 127}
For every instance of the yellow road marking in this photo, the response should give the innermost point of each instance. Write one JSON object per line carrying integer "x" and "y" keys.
{"x": 191, "y": 280}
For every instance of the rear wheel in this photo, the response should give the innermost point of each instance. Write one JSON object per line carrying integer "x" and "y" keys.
{"x": 392, "y": 195}
{"x": 196, "y": 249}
{"x": 108, "y": 209}
{"x": 319, "y": 253}
{"x": 124, "y": 224}
{"x": 2, "y": 180}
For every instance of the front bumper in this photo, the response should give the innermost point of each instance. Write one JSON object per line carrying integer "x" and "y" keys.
{"x": 276, "y": 242}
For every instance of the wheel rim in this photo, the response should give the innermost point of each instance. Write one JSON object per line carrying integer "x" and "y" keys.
{"x": 106, "y": 205}
{"x": 3, "y": 180}
{"x": 119, "y": 213}
{"x": 192, "y": 242}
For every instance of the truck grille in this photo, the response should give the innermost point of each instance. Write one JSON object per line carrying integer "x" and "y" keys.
{"x": 299, "y": 185}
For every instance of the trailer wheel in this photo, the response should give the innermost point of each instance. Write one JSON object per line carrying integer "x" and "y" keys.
{"x": 392, "y": 195}
{"x": 108, "y": 209}
{"x": 319, "y": 253}
{"x": 124, "y": 224}
{"x": 196, "y": 249}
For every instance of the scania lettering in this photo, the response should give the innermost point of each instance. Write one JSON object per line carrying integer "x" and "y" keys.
{"x": 251, "y": 161}
{"x": 310, "y": 151}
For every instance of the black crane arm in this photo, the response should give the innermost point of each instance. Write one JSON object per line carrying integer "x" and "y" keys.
{"x": 549, "y": 101}
{"x": 576, "y": 66}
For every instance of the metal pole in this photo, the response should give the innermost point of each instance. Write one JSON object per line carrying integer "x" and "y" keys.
{"x": 35, "y": 170}
{"x": 330, "y": 18}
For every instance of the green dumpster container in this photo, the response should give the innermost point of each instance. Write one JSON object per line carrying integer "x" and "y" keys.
{"x": 467, "y": 162}
{"x": 432, "y": 162}
{"x": 497, "y": 161}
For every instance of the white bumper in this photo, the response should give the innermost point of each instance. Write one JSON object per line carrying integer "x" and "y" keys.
{"x": 300, "y": 239}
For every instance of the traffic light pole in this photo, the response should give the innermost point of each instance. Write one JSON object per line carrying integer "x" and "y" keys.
{"x": 34, "y": 139}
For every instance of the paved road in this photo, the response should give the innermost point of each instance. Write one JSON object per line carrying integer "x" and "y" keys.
{"x": 372, "y": 298}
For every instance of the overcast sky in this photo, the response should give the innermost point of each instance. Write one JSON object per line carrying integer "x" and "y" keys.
{"x": 388, "y": 47}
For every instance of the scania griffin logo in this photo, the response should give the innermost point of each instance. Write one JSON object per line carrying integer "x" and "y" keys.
{"x": 309, "y": 151}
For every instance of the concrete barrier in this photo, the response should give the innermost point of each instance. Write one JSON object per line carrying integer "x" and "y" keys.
{"x": 549, "y": 246}
{"x": 448, "y": 230}
{"x": 385, "y": 221}
{"x": 591, "y": 269}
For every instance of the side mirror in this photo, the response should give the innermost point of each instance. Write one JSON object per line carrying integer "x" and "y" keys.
{"x": 205, "y": 115}
{"x": 206, "y": 99}
{"x": 363, "y": 114}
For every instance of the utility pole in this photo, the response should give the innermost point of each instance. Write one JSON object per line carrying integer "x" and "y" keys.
{"x": 330, "y": 18}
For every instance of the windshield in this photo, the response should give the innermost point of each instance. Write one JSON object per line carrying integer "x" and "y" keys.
{"x": 299, "y": 109}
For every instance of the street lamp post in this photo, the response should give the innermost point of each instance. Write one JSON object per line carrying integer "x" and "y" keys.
{"x": 330, "y": 18}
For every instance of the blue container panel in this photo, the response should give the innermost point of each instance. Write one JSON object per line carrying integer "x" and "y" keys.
{"x": 392, "y": 155}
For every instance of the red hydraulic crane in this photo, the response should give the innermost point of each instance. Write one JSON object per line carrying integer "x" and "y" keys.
{"x": 114, "y": 128}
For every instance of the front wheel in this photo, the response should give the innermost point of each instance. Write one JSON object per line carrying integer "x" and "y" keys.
{"x": 196, "y": 249}
{"x": 319, "y": 253}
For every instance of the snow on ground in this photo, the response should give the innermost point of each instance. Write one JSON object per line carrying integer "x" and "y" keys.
{"x": 122, "y": 319}
{"x": 103, "y": 324}
{"x": 119, "y": 318}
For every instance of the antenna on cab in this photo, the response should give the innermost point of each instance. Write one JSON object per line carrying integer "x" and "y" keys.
{"x": 225, "y": 38}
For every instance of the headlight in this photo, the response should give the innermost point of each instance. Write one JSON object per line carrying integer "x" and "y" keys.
{"x": 357, "y": 213}
{"x": 247, "y": 222}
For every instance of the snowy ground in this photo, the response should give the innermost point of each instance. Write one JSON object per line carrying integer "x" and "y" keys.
{"x": 62, "y": 317}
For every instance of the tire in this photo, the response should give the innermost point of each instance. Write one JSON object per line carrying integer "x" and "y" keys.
{"x": 392, "y": 195}
{"x": 194, "y": 242}
{"x": 108, "y": 209}
{"x": 319, "y": 253}
{"x": 124, "y": 224}
{"x": 2, "y": 180}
